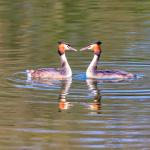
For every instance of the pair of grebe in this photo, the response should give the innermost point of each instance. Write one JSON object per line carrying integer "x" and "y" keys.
{"x": 65, "y": 71}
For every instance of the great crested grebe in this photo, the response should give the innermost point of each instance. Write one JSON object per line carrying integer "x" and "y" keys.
{"x": 92, "y": 71}
{"x": 54, "y": 73}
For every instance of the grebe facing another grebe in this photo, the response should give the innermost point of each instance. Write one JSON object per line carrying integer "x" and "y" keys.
{"x": 92, "y": 71}
{"x": 53, "y": 73}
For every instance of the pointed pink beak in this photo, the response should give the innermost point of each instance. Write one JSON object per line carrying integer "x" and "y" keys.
{"x": 72, "y": 49}
{"x": 84, "y": 48}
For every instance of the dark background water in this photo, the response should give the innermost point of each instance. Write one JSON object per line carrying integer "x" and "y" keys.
{"x": 97, "y": 114}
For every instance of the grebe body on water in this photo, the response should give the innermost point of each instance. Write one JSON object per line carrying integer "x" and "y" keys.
{"x": 54, "y": 73}
{"x": 92, "y": 71}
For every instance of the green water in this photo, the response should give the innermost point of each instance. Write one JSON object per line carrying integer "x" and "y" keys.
{"x": 80, "y": 113}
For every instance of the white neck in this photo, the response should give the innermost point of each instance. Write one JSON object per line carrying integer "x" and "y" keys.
{"x": 93, "y": 65}
{"x": 65, "y": 68}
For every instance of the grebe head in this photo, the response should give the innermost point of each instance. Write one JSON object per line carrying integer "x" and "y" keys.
{"x": 93, "y": 46}
{"x": 63, "y": 46}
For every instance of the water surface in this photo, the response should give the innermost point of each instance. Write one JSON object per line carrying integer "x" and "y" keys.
{"x": 77, "y": 113}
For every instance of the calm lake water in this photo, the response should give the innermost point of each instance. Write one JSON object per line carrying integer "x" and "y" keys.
{"x": 78, "y": 113}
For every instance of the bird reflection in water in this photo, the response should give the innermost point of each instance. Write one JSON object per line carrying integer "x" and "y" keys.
{"x": 92, "y": 85}
{"x": 63, "y": 103}
{"x": 96, "y": 104}
{"x": 64, "y": 89}
{"x": 65, "y": 85}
